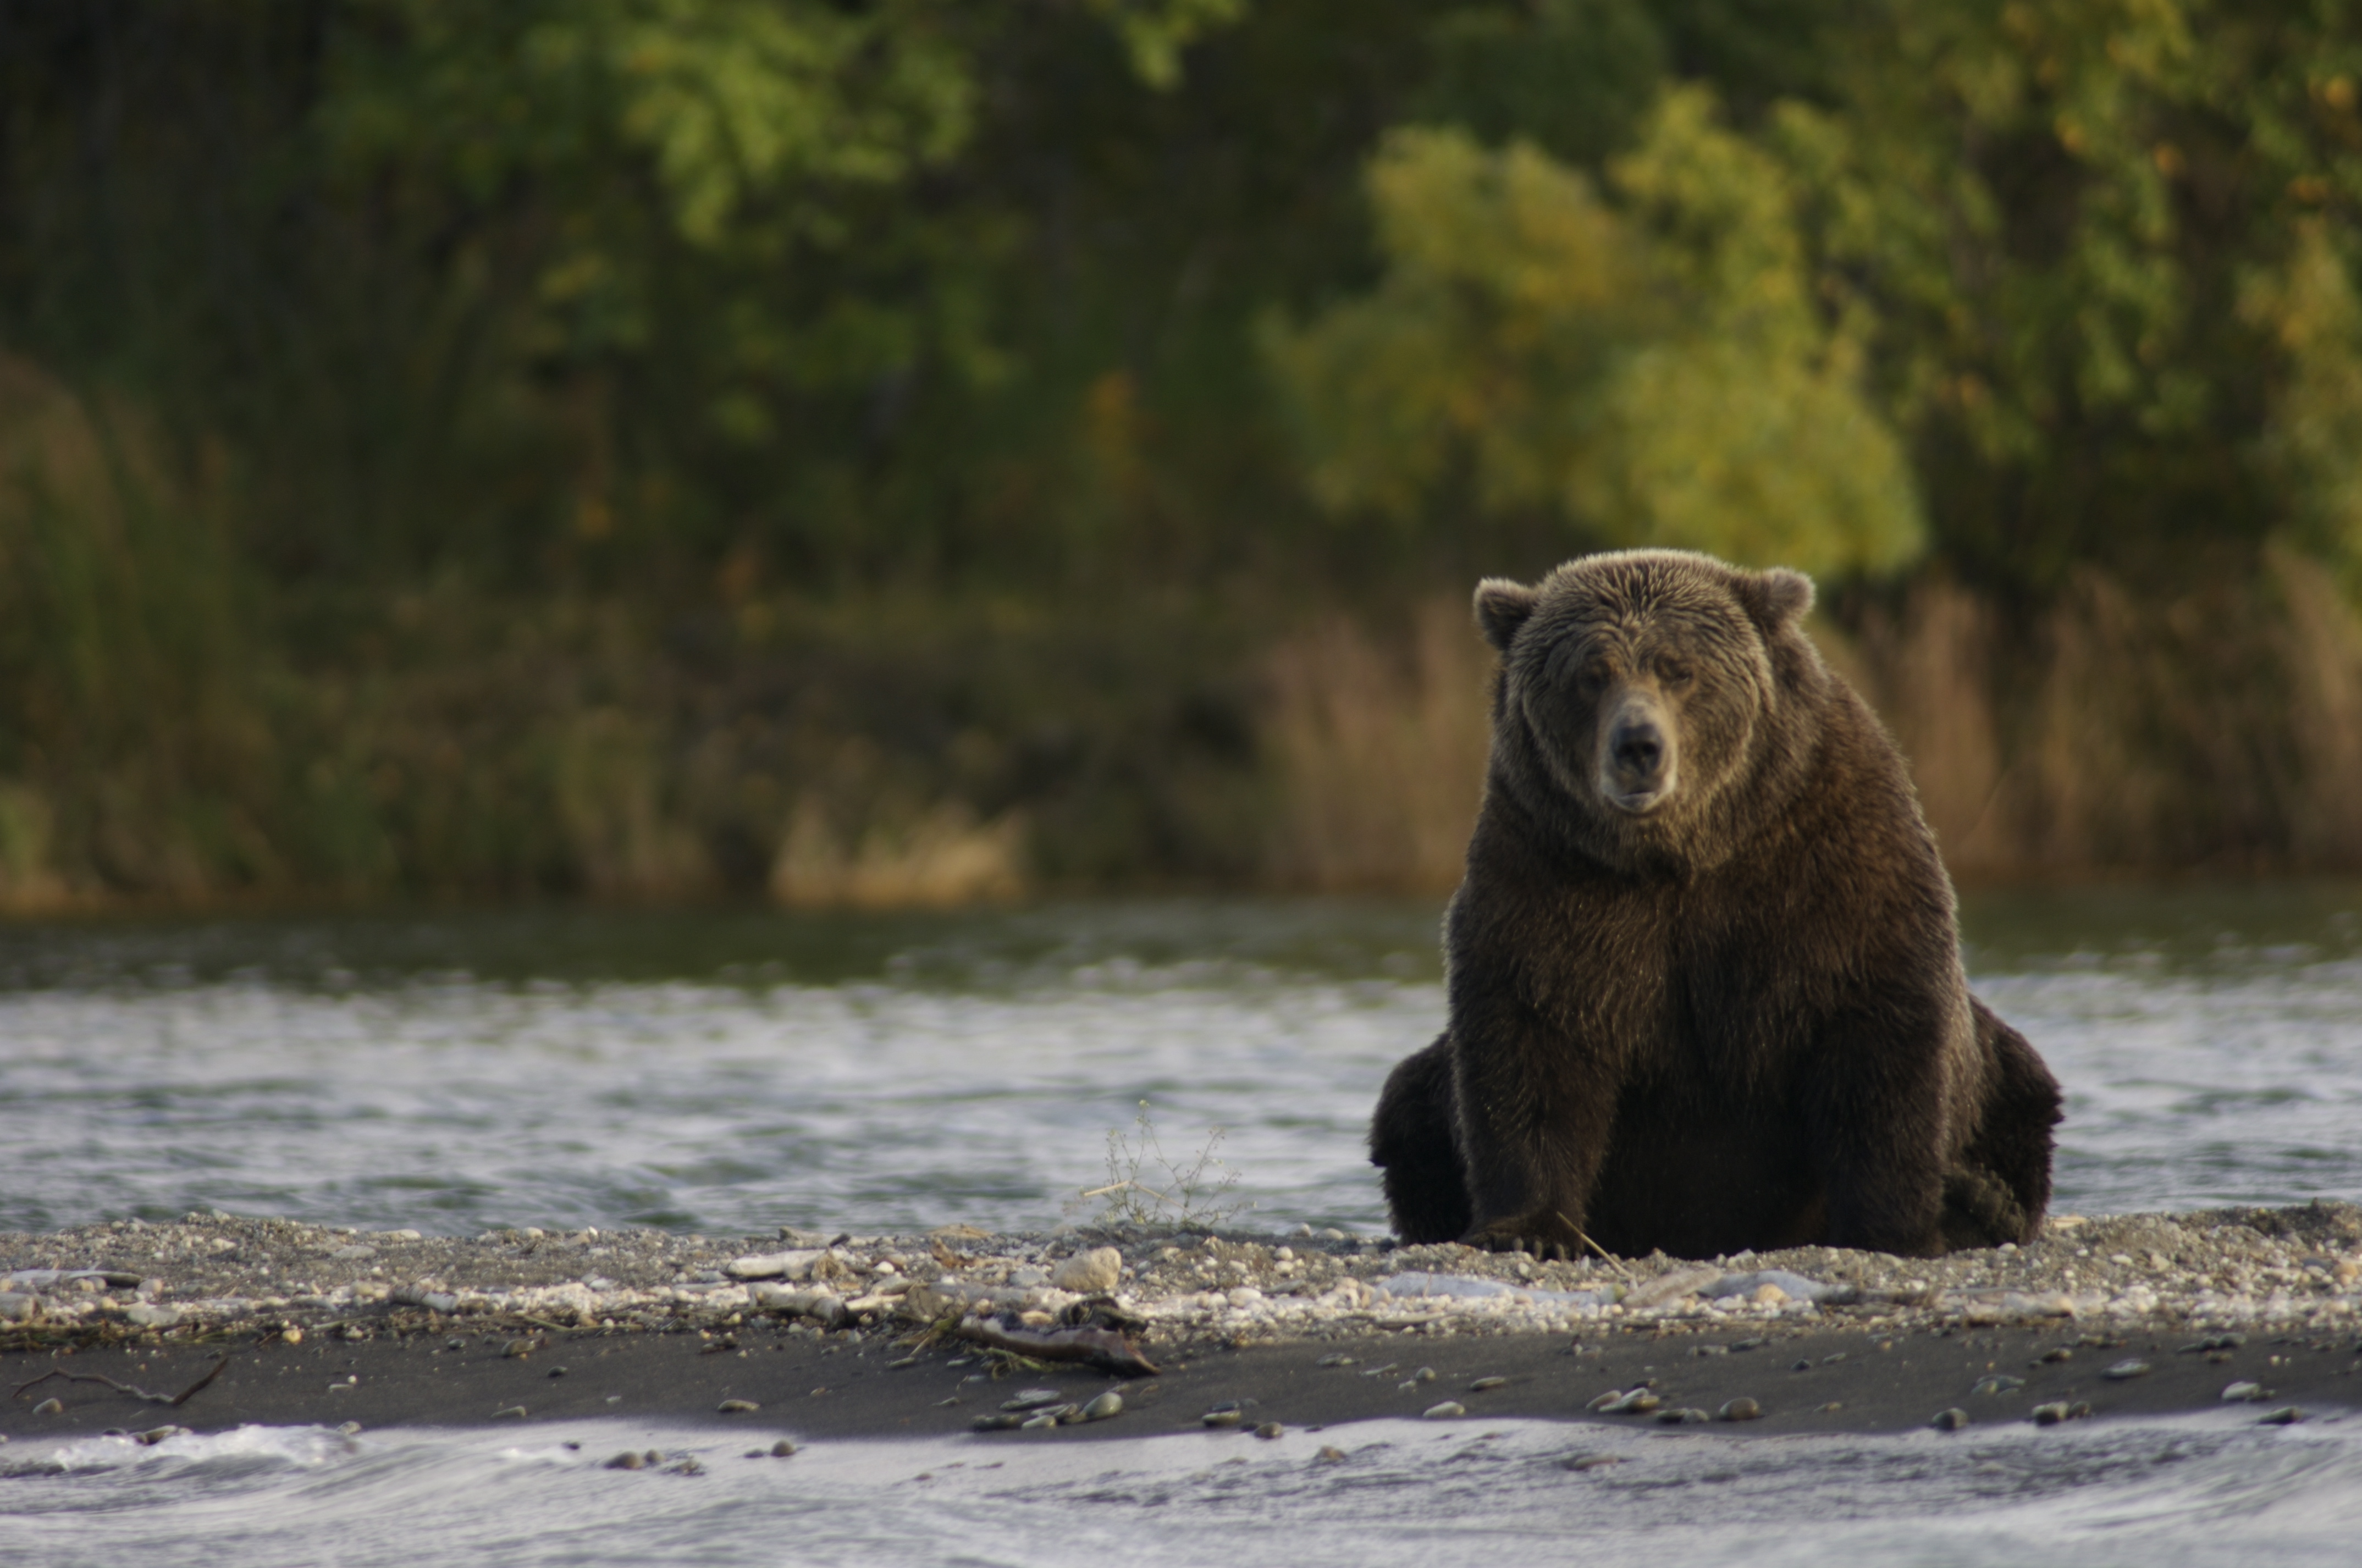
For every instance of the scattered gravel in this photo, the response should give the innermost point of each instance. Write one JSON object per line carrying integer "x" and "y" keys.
{"x": 211, "y": 1274}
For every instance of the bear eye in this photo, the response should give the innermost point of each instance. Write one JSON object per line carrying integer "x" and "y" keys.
{"x": 1672, "y": 672}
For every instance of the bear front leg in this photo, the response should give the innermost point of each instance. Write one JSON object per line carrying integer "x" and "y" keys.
{"x": 1534, "y": 1116}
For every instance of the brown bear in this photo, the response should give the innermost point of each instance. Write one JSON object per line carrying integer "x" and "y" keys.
{"x": 1702, "y": 969}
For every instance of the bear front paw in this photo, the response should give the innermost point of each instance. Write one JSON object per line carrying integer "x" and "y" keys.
{"x": 1549, "y": 1238}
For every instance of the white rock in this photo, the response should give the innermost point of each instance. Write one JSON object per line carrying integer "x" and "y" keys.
{"x": 1089, "y": 1273}
{"x": 774, "y": 1265}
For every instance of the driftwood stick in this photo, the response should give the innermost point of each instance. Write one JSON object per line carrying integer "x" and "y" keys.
{"x": 142, "y": 1394}
{"x": 1613, "y": 1261}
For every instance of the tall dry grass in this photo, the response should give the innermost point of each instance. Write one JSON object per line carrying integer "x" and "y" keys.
{"x": 2218, "y": 729}
{"x": 1379, "y": 738}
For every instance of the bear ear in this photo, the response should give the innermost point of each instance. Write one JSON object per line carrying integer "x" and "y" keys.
{"x": 1502, "y": 607}
{"x": 1776, "y": 599}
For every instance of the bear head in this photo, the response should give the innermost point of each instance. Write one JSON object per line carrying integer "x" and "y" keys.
{"x": 1650, "y": 700}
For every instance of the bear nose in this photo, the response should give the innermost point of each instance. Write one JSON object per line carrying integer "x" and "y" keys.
{"x": 1638, "y": 749}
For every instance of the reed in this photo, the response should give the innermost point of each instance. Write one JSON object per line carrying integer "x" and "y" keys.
{"x": 2219, "y": 729}
{"x": 1379, "y": 739}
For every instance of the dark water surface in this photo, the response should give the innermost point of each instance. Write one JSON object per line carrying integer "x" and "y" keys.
{"x": 737, "y": 1070}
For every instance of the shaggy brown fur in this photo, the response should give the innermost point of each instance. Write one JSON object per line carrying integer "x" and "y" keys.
{"x": 1704, "y": 972}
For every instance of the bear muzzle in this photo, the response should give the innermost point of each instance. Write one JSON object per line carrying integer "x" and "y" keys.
{"x": 1637, "y": 761}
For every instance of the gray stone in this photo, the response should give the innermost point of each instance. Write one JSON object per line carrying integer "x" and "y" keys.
{"x": 1270, "y": 1430}
{"x": 1033, "y": 1399}
{"x": 1949, "y": 1420}
{"x": 1107, "y": 1404}
{"x": 1094, "y": 1273}
{"x": 52, "y": 1407}
{"x": 1740, "y": 1409}
{"x": 1486, "y": 1385}
{"x": 2124, "y": 1370}
{"x": 1444, "y": 1411}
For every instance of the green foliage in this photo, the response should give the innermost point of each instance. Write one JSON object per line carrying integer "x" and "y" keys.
{"x": 1574, "y": 77}
{"x": 1655, "y": 371}
{"x": 467, "y": 440}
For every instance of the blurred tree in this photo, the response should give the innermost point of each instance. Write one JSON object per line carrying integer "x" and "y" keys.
{"x": 1655, "y": 371}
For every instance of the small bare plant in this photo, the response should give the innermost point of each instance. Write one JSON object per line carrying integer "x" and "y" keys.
{"x": 1196, "y": 1196}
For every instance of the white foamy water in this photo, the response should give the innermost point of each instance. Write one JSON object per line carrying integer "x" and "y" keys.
{"x": 2200, "y": 1490}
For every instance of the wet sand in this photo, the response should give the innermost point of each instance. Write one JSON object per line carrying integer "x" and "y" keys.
{"x": 1803, "y": 1381}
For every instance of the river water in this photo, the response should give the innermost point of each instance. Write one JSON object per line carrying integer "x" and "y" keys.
{"x": 731, "y": 1072}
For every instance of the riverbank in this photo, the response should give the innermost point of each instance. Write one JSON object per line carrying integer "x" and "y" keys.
{"x": 869, "y": 1336}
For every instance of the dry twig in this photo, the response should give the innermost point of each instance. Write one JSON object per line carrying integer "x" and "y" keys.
{"x": 140, "y": 1394}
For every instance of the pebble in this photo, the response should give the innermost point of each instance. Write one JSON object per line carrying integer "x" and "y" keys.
{"x": 1949, "y": 1420}
{"x": 1004, "y": 1421}
{"x": 2060, "y": 1353}
{"x": 1485, "y": 1385}
{"x": 2124, "y": 1370}
{"x": 517, "y": 1410}
{"x": 50, "y": 1407}
{"x": 155, "y": 1435}
{"x": 783, "y": 1449}
{"x": 1094, "y": 1273}
{"x": 1740, "y": 1409}
{"x": 1269, "y": 1430}
{"x": 1998, "y": 1383}
{"x": 1330, "y": 1454}
{"x": 2052, "y": 1414}
{"x": 626, "y": 1460}
{"x": 1033, "y": 1399}
{"x": 1444, "y": 1411}
{"x": 1638, "y": 1402}
{"x": 2248, "y": 1393}
{"x": 2286, "y": 1415}
{"x": 1107, "y": 1404}
{"x": 1223, "y": 1418}
{"x": 1336, "y": 1358}
{"x": 898, "y": 1366}
{"x": 737, "y": 1407}
{"x": 1042, "y": 1419}
{"x": 1682, "y": 1418}
{"x": 1424, "y": 1375}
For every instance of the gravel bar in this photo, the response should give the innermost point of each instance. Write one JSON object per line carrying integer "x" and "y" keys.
{"x": 2182, "y": 1295}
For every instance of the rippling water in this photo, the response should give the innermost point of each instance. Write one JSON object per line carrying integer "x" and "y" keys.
{"x": 2202, "y": 1490}
{"x": 735, "y": 1072}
